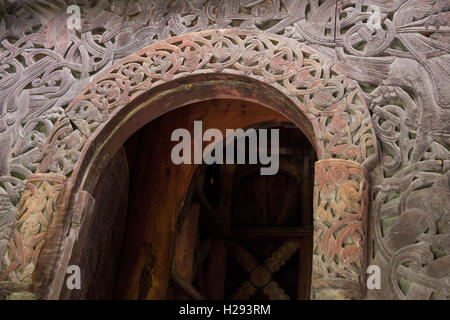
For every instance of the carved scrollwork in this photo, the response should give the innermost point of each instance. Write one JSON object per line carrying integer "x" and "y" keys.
{"x": 62, "y": 148}
{"x": 341, "y": 197}
{"x": 410, "y": 205}
{"x": 346, "y": 130}
{"x": 35, "y": 212}
{"x": 44, "y": 66}
{"x": 295, "y": 69}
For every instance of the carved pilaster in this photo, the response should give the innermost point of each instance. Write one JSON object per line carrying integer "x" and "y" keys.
{"x": 34, "y": 214}
{"x": 340, "y": 229}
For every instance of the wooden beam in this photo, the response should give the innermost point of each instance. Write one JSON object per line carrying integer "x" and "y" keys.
{"x": 306, "y": 191}
{"x": 186, "y": 286}
{"x": 210, "y": 216}
{"x": 304, "y": 268}
{"x": 183, "y": 259}
{"x": 274, "y": 232}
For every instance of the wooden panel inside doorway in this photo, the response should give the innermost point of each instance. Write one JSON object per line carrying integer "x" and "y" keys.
{"x": 158, "y": 190}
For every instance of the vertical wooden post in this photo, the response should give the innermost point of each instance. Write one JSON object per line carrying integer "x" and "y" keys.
{"x": 305, "y": 266}
{"x": 306, "y": 246}
{"x": 183, "y": 260}
{"x": 340, "y": 229}
{"x": 306, "y": 185}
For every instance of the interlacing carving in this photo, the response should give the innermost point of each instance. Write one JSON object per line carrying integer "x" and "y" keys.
{"x": 340, "y": 227}
{"x": 346, "y": 130}
{"x": 62, "y": 149}
{"x": 331, "y": 102}
{"x": 402, "y": 67}
{"x": 411, "y": 198}
{"x": 294, "y": 69}
{"x": 34, "y": 214}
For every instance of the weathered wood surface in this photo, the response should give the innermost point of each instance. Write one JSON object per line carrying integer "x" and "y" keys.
{"x": 145, "y": 266}
{"x": 341, "y": 196}
{"x": 99, "y": 241}
{"x": 402, "y": 69}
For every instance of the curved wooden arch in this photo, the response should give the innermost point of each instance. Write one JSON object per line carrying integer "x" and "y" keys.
{"x": 272, "y": 70}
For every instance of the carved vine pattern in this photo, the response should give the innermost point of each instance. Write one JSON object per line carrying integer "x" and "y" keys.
{"x": 340, "y": 226}
{"x": 332, "y": 103}
{"x": 403, "y": 70}
{"x": 34, "y": 214}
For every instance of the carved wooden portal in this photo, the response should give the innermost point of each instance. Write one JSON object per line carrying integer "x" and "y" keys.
{"x": 271, "y": 70}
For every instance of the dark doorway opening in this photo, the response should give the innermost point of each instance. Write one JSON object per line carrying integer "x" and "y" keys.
{"x": 159, "y": 230}
{"x": 247, "y": 236}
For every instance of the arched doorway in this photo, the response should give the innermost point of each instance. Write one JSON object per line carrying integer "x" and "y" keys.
{"x": 253, "y": 233}
{"x": 271, "y": 70}
{"x": 156, "y": 225}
